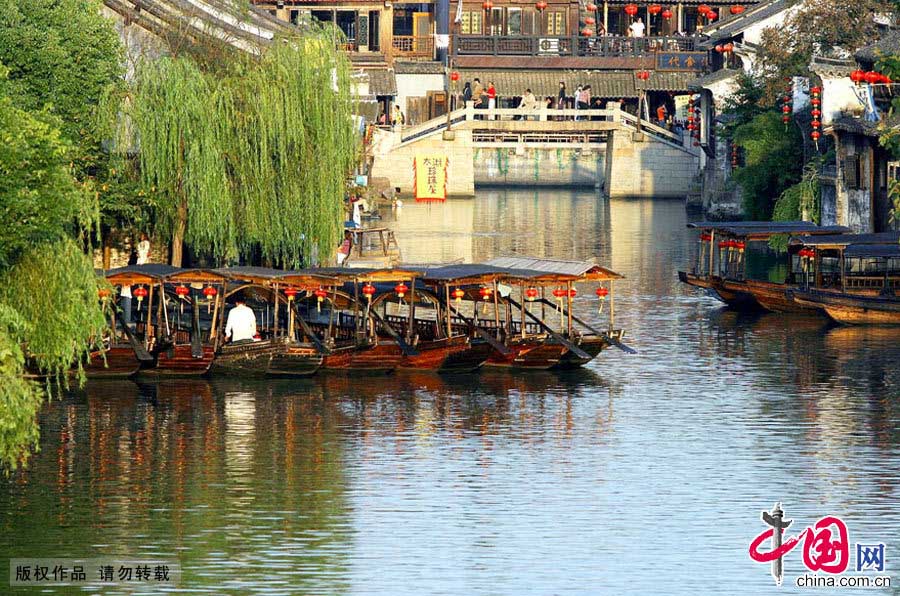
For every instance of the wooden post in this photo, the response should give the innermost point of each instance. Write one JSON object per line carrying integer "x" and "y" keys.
{"x": 449, "y": 321}
{"x": 522, "y": 309}
{"x": 356, "y": 319}
{"x": 612, "y": 306}
{"x": 496, "y": 310}
{"x": 569, "y": 301}
{"x": 275, "y": 324}
{"x": 843, "y": 272}
{"x": 213, "y": 331}
{"x": 712, "y": 252}
{"x": 412, "y": 311}
{"x": 605, "y": 27}
{"x": 331, "y": 313}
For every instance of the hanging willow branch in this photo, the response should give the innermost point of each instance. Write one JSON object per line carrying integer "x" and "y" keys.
{"x": 251, "y": 155}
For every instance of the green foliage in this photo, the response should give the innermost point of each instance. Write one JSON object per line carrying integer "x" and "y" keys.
{"x": 20, "y": 398}
{"x": 39, "y": 200}
{"x": 772, "y": 158}
{"x": 800, "y": 201}
{"x": 54, "y": 290}
{"x": 744, "y": 104}
{"x": 253, "y": 153}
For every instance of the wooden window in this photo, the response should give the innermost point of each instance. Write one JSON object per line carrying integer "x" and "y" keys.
{"x": 514, "y": 21}
{"x": 471, "y": 23}
{"x": 854, "y": 170}
{"x": 556, "y": 23}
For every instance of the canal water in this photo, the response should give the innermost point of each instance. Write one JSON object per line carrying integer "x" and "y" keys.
{"x": 641, "y": 474}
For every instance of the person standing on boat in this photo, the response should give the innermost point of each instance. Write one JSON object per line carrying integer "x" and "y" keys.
{"x": 241, "y": 324}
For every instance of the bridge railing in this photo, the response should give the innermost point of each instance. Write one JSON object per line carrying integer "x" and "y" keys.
{"x": 573, "y": 45}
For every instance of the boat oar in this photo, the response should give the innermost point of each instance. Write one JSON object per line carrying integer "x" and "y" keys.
{"x": 407, "y": 349}
{"x": 556, "y": 336}
{"x": 139, "y": 350}
{"x": 481, "y": 332}
{"x": 321, "y": 348}
{"x": 609, "y": 339}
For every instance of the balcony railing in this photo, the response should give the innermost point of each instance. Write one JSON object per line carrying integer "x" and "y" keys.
{"x": 411, "y": 45}
{"x": 537, "y": 45}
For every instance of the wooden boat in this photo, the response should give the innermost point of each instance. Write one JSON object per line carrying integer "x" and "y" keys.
{"x": 862, "y": 291}
{"x": 726, "y": 248}
{"x": 176, "y": 349}
{"x": 114, "y": 362}
{"x": 482, "y": 305}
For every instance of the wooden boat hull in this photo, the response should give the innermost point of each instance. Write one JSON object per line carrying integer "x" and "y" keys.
{"x": 853, "y": 310}
{"x": 456, "y": 354}
{"x": 267, "y": 359}
{"x": 732, "y": 293}
{"x": 374, "y": 359}
{"x": 592, "y": 344}
{"x": 120, "y": 362}
{"x": 528, "y": 353}
{"x": 776, "y": 298}
{"x": 179, "y": 362}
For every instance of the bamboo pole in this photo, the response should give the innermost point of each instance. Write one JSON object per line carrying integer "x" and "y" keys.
{"x": 522, "y": 309}
{"x": 712, "y": 252}
{"x": 412, "y": 311}
{"x": 149, "y": 332}
{"x": 275, "y": 324}
{"x": 569, "y": 311}
{"x": 496, "y": 310}
{"x": 449, "y": 322}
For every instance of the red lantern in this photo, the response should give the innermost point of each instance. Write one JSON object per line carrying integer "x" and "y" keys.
{"x": 723, "y": 244}
{"x": 738, "y": 9}
{"x": 816, "y": 90}
{"x": 785, "y": 118}
{"x": 540, "y": 5}
{"x": 705, "y": 237}
{"x": 103, "y": 293}
{"x": 815, "y": 101}
{"x": 487, "y": 5}
{"x": 591, "y": 7}
{"x": 712, "y": 15}
{"x": 667, "y": 14}
{"x": 140, "y": 293}
{"x": 815, "y": 135}
{"x": 368, "y": 291}
{"x": 740, "y": 245}
{"x": 291, "y": 293}
{"x": 816, "y": 124}
{"x": 815, "y": 113}
{"x": 559, "y": 293}
{"x": 587, "y": 32}
{"x": 572, "y": 293}
{"x": 786, "y": 109}
{"x": 210, "y": 292}
{"x": 654, "y": 9}
{"x": 486, "y": 292}
{"x": 458, "y": 294}
{"x": 858, "y": 76}
{"x": 719, "y": 48}
{"x": 601, "y": 293}
{"x": 703, "y": 9}
{"x": 643, "y": 75}
{"x": 531, "y": 294}
{"x": 631, "y": 9}
{"x": 691, "y": 127}
{"x": 182, "y": 290}
{"x": 401, "y": 289}
{"x": 729, "y": 47}
{"x": 589, "y": 21}
{"x": 320, "y": 294}
{"x": 872, "y": 77}
{"x": 454, "y": 76}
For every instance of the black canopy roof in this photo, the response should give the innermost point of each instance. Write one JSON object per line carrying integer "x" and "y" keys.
{"x": 885, "y": 251}
{"x": 157, "y": 270}
{"x": 847, "y": 239}
{"x": 767, "y": 228}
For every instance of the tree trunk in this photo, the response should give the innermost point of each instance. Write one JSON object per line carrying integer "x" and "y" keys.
{"x": 178, "y": 235}
{"x": 107, "y": 254}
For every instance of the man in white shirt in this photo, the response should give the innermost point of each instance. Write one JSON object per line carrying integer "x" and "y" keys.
{"x": 637, "y": 28}
{"x": 241, "y": 325}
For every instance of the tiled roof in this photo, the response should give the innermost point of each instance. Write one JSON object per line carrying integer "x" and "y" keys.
{"x": 422, "y": 67}
{"x": 716, "y": 76}
{"x": 831, "y": 66}
{"x": 889, "y": 44}
{"x": 612, "y": 85}
{"x": 729, "y": 27}
{"x": 865, "y": 127}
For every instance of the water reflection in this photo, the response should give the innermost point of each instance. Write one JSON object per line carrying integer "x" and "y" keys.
{"x": 495, "y": 483}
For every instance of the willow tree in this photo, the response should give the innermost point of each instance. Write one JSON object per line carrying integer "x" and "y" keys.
{"x": 251, "y": 153}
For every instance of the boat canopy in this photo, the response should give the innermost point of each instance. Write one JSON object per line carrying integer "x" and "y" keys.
{"x": 881, "y": 251}
{"x": 763, "y": 230}
{"x": 844, "y": 240}
{"x": 547, "y": 268}
{"x": 154, "y": 273}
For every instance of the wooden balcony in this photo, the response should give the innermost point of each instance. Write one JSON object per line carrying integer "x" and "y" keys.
{"x": 537, "y": 45}
{"x": 411, "y": 46}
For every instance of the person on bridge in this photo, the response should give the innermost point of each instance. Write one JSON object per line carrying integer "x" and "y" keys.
{"x": 661, "y": 113}
{"x": 241, "y": 325}
{"x": 492, "y": 97}
{"x": 529, "y": 103}
{"x": 467, "y": 93}
{"x": 478, "y": 95}
{"x": 637, "y": 28}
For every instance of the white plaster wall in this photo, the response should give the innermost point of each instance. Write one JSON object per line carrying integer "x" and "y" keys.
{"x": 417, "y": 85}
{"x": 838, "y": 95}
{"x": 753, "y": 33}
